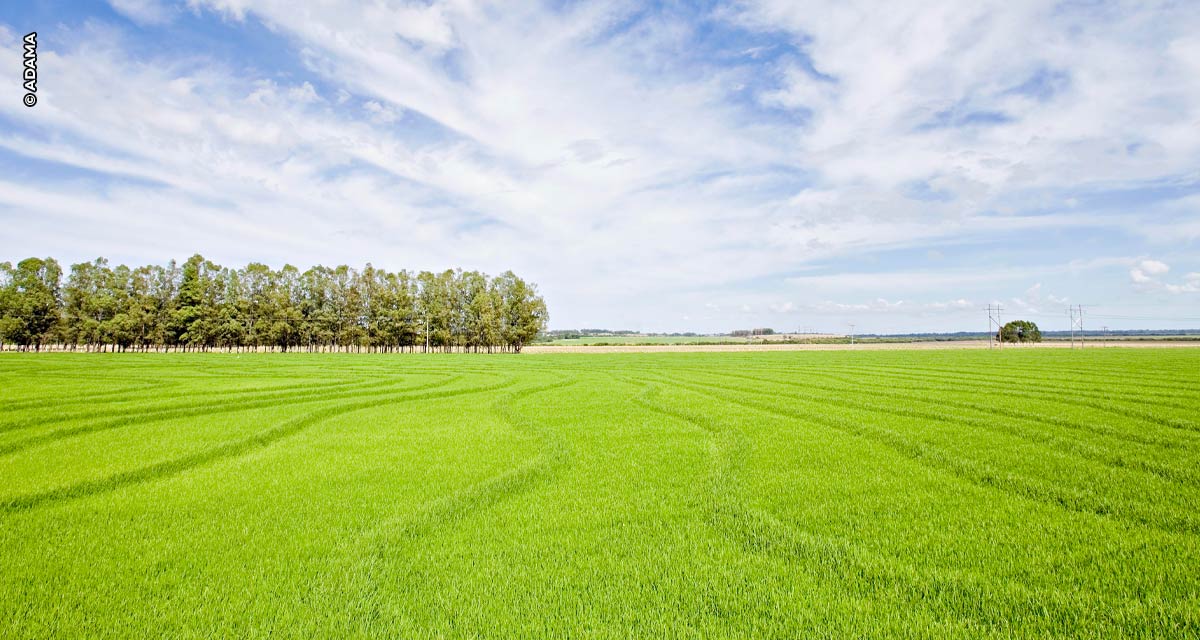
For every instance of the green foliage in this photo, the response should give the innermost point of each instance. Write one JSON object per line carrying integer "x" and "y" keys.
{"x": 774, "y": 495}
{"x": 29, "y": 302}
{"x": 203, "y": 306}
{"x": 1020, "y": 331}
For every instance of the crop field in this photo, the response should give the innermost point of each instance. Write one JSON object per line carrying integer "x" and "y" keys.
{"x": 687, "y": 340}
{"x": 641, "y": 340}
{"x": 1023, "y": 493}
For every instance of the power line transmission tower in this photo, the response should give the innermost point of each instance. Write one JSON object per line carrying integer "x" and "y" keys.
{"x": 995, "y": 340}
{"x": 1071, "y": 311}
{"x": 1076, "y": 313}
{"x": 1082, "y": 334}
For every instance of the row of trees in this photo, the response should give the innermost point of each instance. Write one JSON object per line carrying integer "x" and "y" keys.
{"x": 746, "y": 333}
{"x": 202, "y": 306}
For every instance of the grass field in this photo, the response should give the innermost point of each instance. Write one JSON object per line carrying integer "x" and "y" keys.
{"x": 606, "y": 340}
{"x": 1022, "y": 493}
{"x": 586, "y": 341}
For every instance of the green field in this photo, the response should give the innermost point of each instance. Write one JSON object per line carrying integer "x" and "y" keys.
{"x": 586, "y": 341}
{"x": 1024, "y": 493}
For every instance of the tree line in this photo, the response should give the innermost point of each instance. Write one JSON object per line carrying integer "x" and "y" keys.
{"x": 201, "y": 306}
{"x": 746, "y": 333}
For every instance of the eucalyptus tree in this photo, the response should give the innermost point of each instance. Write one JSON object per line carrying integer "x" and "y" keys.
{"x": 84, "y": 312}
{"x": 199, "y": 306}
{"x": 285, "y": 298}
{"x": 523, "y": 311}
{"x": 9, "y": 315}
{"x": 34, "y": 302}
{"x": 142, "y": 312}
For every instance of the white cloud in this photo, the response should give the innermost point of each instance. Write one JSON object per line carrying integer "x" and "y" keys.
{"x": 1148, "y": 276}
{"x": 145, "y": 12}
{"x": 379, "y": 113}
{"x": 1153, "y": 267}
{"x": 304, "y": 93}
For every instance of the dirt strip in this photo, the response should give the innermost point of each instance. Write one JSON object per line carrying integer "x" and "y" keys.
{"x": 870, "y": 346}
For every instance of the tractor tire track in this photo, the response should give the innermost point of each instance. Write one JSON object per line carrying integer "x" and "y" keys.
{"x": 229, "y": 450}
{"x": 202, "y": 409}
{"x": 978, "y": 473}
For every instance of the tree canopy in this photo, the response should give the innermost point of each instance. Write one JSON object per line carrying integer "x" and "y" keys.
{"x": 200, "y": 305}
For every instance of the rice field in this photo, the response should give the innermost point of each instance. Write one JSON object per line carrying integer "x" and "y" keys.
{"x": 966, "y": 494}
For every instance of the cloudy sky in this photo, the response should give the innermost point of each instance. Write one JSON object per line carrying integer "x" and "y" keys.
{"x": 662, "y": 167}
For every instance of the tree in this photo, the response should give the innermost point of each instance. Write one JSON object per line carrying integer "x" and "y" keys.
{"x": 34, "y": 299}
{"x": 9, "y": 315}
{"x": 200, "y": 305}
{"x": 523, "y": 311}
{"x": 1020, "y": 331}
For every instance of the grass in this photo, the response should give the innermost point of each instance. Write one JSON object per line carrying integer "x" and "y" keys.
{"x": 830, "y": 494}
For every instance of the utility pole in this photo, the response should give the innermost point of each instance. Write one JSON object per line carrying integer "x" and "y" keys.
{"x": 995, "y": 339}
{"x": 426, "y": 332}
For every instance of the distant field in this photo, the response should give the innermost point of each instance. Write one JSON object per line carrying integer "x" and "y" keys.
{"x": 1023, "y": 493}
{"x": 653, "y": 340}
{"x": 594, "y": 340}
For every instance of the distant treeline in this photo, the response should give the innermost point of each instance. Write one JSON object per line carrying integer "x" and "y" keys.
{"x": 746, "y": 333}
{"x": 201, "y": 306}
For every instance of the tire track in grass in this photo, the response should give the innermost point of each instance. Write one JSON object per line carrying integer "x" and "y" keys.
{"x": 1118, "y": 460}
{"x": 1165, "y": 380}
{"x": 1170, "y": 439}
{"x": 229, "y": 450}
{"x": 161, "y": 389}
{"x": 757, "y": 532}
{"x": 977, "y": 473}
{"x": 119, "y": 395}
{"x": 204, "y": 409}
{"x": 965, "y": 383}
{"x": 888, "y": 391}
{"x": 1127, "y": 412}
{"x": 441, "y": 511}
{"x": 882, "y": 390}
{"x": 199, "y": 399}
{"x": 386, "y": 538}
{"x": 892, "y": 411}
{"x": 1003, "y": 375}
{"x": 992, "y": 375}
{"x": 727, "y": 448}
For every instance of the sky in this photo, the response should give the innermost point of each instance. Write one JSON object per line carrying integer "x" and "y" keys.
{"x": 676, "y": 166}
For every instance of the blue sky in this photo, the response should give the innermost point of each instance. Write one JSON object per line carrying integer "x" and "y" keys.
{"x": 662, "y": 167}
